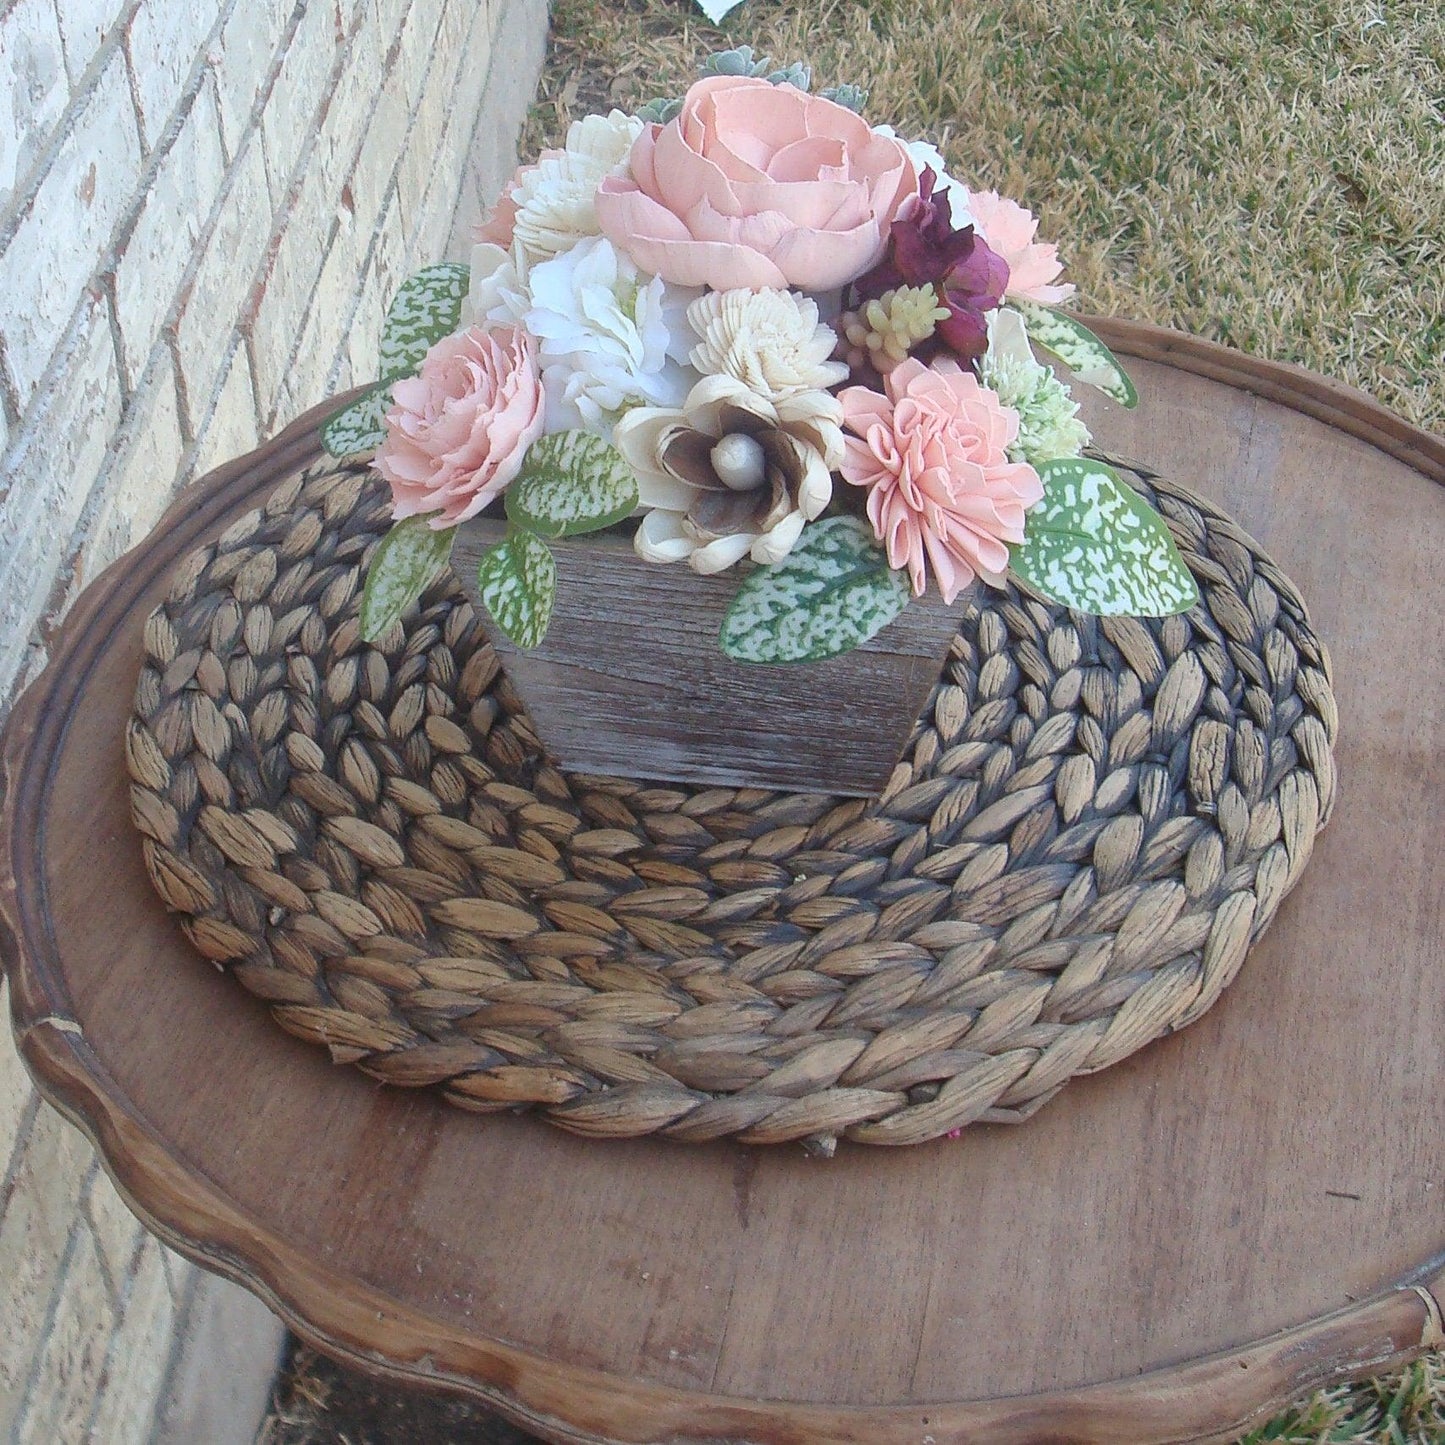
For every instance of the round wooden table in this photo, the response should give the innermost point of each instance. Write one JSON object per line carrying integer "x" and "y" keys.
{"x": 1249, "y": 1209}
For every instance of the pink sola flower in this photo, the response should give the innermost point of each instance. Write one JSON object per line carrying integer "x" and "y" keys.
{"x": 457, "y": 433}
{"x": 933, "y": 455}
{"x": 1009, "y": 230}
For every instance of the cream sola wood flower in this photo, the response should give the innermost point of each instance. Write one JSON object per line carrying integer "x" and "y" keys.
{"x": 747, "y": 460}
{"x": 544, "y": 210}
{"x": 548, "y": 207}
{"x": 770, "y": 341}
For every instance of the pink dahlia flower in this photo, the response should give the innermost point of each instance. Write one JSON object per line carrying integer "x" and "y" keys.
{"x": 933, "y": 454}
{"x": 1009, "y": 229}
{"x": 755, "y": 185}
{"x": 456, "y": 434}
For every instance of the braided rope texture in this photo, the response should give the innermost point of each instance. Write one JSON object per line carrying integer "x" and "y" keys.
{"x": 1092, "y": 822}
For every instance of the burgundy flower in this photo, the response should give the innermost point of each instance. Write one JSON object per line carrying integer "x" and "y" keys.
{"x": 926, "y": 249}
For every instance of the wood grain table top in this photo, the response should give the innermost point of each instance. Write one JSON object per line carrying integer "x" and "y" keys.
{"x": 1237, "y": 1214}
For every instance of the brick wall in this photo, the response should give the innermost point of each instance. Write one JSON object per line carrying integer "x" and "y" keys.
{"x": 204, "y": 209}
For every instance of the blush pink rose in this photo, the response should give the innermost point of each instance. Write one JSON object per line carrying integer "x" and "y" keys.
{"x": 456, "y": 434}
{"x": 755, "y": 185}
{"x": 1009, "y": 229}
{"x": 933, "y": 454}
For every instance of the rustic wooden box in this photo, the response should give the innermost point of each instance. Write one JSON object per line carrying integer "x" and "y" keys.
{"x": 630, "y": 681}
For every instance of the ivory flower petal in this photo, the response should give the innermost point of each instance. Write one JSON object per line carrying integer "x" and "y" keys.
{"x": 695, "y": 472}
{"x": 660, "y": 538}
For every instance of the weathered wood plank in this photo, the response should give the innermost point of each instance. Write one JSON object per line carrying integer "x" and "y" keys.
{"x": 630, "y": 680}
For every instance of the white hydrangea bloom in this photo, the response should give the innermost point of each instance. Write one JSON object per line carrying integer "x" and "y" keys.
{"x": 498, "y": 294}
{"x": 1049, "y": 425}
{"x": 556, "y": 198}
{"x": 604, "y": 337}
{"x": 771, "y": 341}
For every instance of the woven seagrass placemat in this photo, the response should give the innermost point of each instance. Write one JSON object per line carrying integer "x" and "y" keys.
{"x": 1093, "y": 821}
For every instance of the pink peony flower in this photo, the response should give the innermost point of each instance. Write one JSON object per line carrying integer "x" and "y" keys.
{"x": 756, "y": 185}
{"x": 933, "y": 454}
{"x": 1009, "y": 229}
{"x": 457, "y": 433}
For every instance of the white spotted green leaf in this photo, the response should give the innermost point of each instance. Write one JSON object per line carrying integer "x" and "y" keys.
{"x": 571, "y": 482}
{"x": 426, "y": 308}
{"x": 1079, "y": 349}
{"x": 1094, "y": 545}
{"x": 830, "y": 594}
{"x": 359, "y": 427}
{"x": 405, "y": 563}
{"x": 518, "y": 583}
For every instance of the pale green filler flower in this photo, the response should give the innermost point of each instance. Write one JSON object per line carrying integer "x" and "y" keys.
{"x": 1049, "y": 425}
{"x": 884, "y": 330}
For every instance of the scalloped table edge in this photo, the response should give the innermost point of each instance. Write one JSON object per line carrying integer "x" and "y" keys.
{"x": 1181, "y": 1404}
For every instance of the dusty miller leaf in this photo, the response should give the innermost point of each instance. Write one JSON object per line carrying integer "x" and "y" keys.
{"x": 426, "y": 308}
{"x": 360, "y": 426}
{"x": 849, "y": 96}
{"x": 830, "y": 594}
{"x": 661, "y": 110}
{"x": 571, "y": 482}
{"x": 404, "y": 565}
{"x": 1078, "y": 348}
{"x": 740, "y": 60}
{"x": 1094, "y": 545}
{"x": 518, "y": 582}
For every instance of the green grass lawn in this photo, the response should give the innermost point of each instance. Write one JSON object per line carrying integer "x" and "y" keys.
{"x": 1264, "y": 173}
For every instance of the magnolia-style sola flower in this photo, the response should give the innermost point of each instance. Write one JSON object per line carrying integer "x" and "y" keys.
{"x": 604, "y": 337}
{"x": 725, "y": 476}
{"x": 942, "y": 489}
{"x": 770, "y": 341}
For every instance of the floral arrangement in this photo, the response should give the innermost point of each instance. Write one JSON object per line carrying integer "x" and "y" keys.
{"x": 767, "y": 335}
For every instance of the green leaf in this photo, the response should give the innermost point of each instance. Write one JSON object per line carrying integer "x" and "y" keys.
{"x": 426, "y": 308}
{"x": 738, "y": 61}
{"x": 661, "y": 110}
{"x": 1092, "y": 544}
{"x": 403, "y": 566}
{"x": 1078, "y": 348}
{"x": 359, "y": 427}
{"x": 571, "y": 482}
{"x": 849, "y": 96}
{"x": 830, "y": 594}
{"x": 518, "y": 581}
